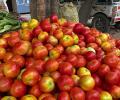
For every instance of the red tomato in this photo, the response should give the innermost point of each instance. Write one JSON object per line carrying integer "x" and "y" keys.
{"x": 49, "y": 98}
{"x": 63, "y": 96}
{"x": 30, "y": 76}
{"x": 111, "y": 60}
{"x": 66, "y": 68}
{"x": 19, "y": 60}
{"x": 98, "y": 81}
{"x": 55, "y": 75}
{"x": 5, "y": 84}
{"x": 81, "y": 61}
{"x": 39, "y": 65}
{"x": 46, "y": 84}
{"x": 72, "y": 59}
{"x": 40, "y": 52}
{"x": 29, "y": 62}
{"x": 51, "y": 65}
{"x": 11, "y": 70}
{"x": 93, "y": 65}
{"x": 103, "y": 70}
{"x": 112, "y": 78}
{"x": 77, "y": 93}
{"x": 65, "y": 83}
{"x": 7, "y": 56}
{"x": 18, "y": 89}
{"x": 92, "y": 95}
{"x": 35, "y": 90}
{"x": 90, "y": 55}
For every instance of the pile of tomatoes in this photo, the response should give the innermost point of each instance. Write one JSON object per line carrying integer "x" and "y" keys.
{"x": 54, "y": 59}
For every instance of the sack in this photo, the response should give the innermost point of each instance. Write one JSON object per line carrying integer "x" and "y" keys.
{"x": 3, "y": 5}
{"x": 69, "y": 11}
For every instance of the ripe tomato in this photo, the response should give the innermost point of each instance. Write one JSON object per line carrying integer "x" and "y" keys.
{"x": 93, "y": 65}
{"x": 92, "y": 95}
{"x": 63, "y": 96}
{"x": 19, "y": 60}
{"x": 35, "y": 90}
{"x": 11, "y": 70}
{"x": 65, "y": 83}
{"x": 5, "y": 84}
{"x": 28, "y": 97}
{"x": 40, "y": 52}
{"x": 8, "y": 98}
{"x": 81, "y": 61}
{"x": 72, "y": 59}
{"x": 66, "y": 68}
{"x": 103, "y": 70}
{"x": 111, "y": 60}
{"x": 77, "y": 93}
{"x": 18, "y": 89}
{"x": 51, "y": 65}
{"x": 30, "y": 76}
{"x": 46, "y": 84}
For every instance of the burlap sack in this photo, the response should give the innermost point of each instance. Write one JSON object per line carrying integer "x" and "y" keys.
{"x": 69, "y": 11}
{"x": 3, "y": 5}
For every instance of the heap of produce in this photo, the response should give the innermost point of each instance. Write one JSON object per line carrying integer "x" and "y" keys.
{"x": 8, "y": 22}
{"x": 59, "y": 60}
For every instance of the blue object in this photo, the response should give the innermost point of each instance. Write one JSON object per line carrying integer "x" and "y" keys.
{"x": 23, "y": 6}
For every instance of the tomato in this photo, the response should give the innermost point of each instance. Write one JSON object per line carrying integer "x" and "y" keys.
{"x": 46, "y": 84}
{"x": 81, "y": 61}
{"x": 90, "y": 55}
{"x": 45, "y": 25}
{"x": 40, "y": 52}
{"x": 5, "y": 84}
{"x": 39, "y": 65}
{"x": 11, "y": 70}
{"x": 3, "y": 43}
{"x": 28, "y": 97}
{"x": 42, "y": 96}
{"x": 55, "y": 75}
{"x": 103, "y": 70}
{"x": 30, "y": 76}
{"x": 93, "y": 65}
{"x": 77, "y": 93}
{"x": 87, "y": 82}
{"x": 54, "y": 18}
{"x": 18, "y": 89}
{"x": 111, "y": 60}
{"x": 83, "y": 71}
{"x": 51, "y": 65}
{"x": 67, "y": 40}
{"x": 35, "y": 90}
{"x": 112, "y": 78}
{"x": 98, "y": 81}
{"x": 29, "y": 62}
{"x": 7, "y": 56}
{"x": 104, "y": 95}
{"x": 63, "y": 96}
{"x": 66, "y": 68}
{"x": 76, "y": 79}
{"x": 54, "y": 53}
{"x": 19, "y": 60}
{"x": 92, "y": 95}
{"x": 65, "y": 83}
{"x": 72, "y": 59}
{"x": 21, "y": 47}
{"x": 2, "y": 52}
{"x": 49, "y": 98}
{"x": 8, "y": 98}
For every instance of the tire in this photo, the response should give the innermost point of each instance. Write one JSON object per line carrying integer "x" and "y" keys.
{"x": 101, "y": 22}
{"x": 117, "y": 25}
